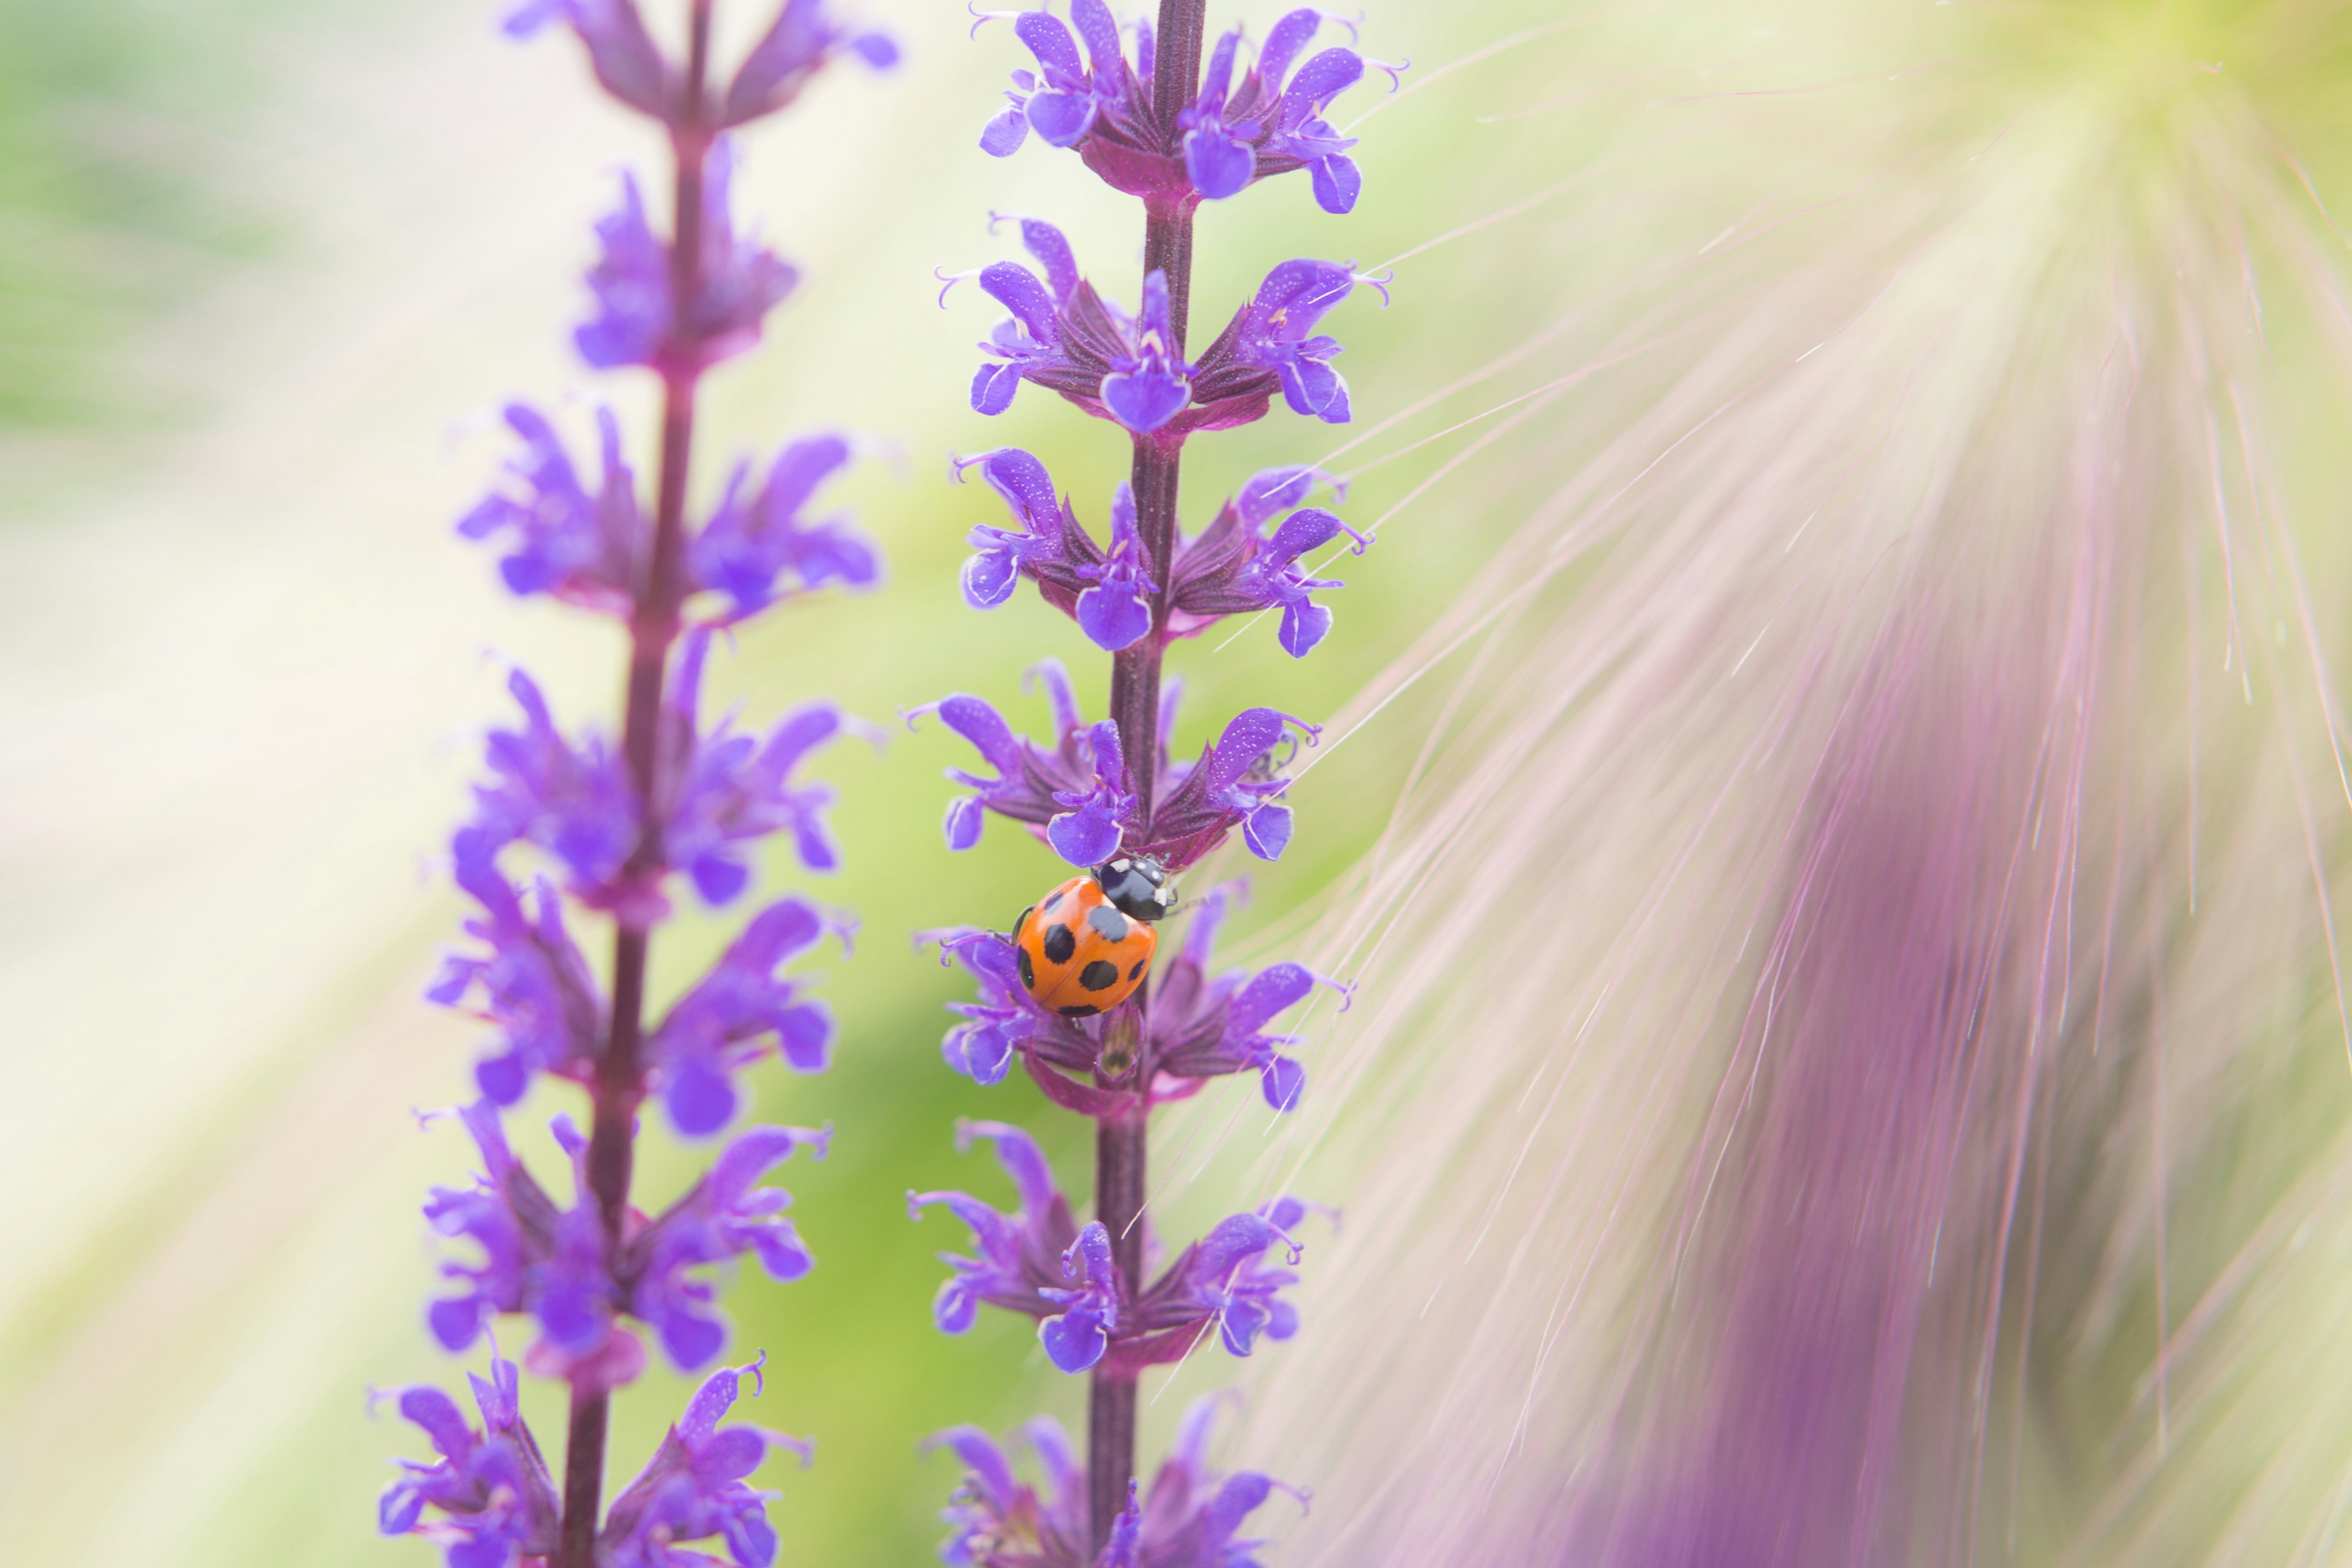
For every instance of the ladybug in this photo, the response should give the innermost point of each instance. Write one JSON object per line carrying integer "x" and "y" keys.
{"x": 1085, "y": 946}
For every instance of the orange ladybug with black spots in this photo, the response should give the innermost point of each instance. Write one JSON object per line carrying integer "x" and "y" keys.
{"x": 1085, "y": 946}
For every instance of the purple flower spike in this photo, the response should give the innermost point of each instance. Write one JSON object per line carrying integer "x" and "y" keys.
{"x": 1233, "y": 568}
{"x": 1190, "y": 1519}
{"x": 531, "y": 980}
{"x": 695, "y": 1489}
{"x": 802, "y": 42}
{"x": 638, "y": 322}
{"x": 721, "y": 1216}
{"x": 737, "y": 1014}
{"x": 495, "y": 1499}
{"x": 586, "y": 549}
{"x": 1019, "y": 1266}
{"x": 758, "y": 550}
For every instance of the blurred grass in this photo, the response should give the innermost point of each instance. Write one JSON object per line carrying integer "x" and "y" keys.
{"x": 226, "y": 1249}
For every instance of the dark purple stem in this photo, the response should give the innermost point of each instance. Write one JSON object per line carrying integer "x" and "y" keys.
{"x": 1121, "y": 1141}
{"x": 619, "y": 1084}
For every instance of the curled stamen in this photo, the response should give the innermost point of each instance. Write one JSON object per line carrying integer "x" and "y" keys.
{"x": 949, "y": 279}
{"x": 1377, "y": 282}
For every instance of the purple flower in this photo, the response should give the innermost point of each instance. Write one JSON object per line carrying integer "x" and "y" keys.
{"x": 1234, "y": 567}
{"x": 721, "y": 1216}
{"x": 1266, "y": 345}
{"x": 694, "y": 1488}
{"x": 736, "y": 1015}
{"x": 754, "y": 550}
{"x": 1197, "y": 1028}
{"x": 719, "y": 792}
{"x": 1040, "y": 1263}
{"x": 1190, "y": 1520}
{"x": 1066, "y": 338}
{"x": 799, "y": 44}
{"x": 1230, "y": 136}
{"x": 586, "y": 549}
{"x": 532, "y": 981}
{"x": 632, "y": 67}
{"x": 1020, "y": 1255}
{"x": 535, "y": 1258}
{"x": 627, "y": 63}
{"x": 1106, "y": 592}
{"x": 1076, "y": 794}
{"x": 490, "y": 1487}
{"x": 638, "y": 322}
{"x": 1201, "y": 1028}
{"x": 573, "y": 801}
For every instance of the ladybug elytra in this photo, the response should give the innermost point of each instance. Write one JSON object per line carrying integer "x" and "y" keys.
{"x": 1085, "y": 946}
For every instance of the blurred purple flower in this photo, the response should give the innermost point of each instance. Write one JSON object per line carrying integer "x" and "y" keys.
{"x": 638, "y": 322}
{"x": 1190, "y": 1520}
{"x": 532, "y": 981}
{"x": 695, "y": 1489}
{"x": 721, "y": 1216}
{"x": 495, "y": 1499}
{"x": 586, "y": 549}
{"x": 555, "y": 1265}
{"x": 1237, "y": 782}
{"x": 633, "y": 68}
{"x": 757, "y": 549}
{"x": 1201, "y": 1028}
{"x": 724, "y": 790}
{"x": 737, "y": 1014}
{"x": 1230, "y": 136}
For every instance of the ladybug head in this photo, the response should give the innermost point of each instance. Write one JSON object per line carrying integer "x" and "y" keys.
{"x": 1136, "y": 887}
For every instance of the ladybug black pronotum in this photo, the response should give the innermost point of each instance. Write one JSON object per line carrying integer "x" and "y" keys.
{"x": 1085, "y": 946}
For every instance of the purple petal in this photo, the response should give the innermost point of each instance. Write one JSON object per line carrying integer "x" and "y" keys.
{"x": 1086, "y": 837}
{"x": 1338, "y": 183}
{"x": 456, "y": 1323}
{"x": 1003, "y": 136}
{"x": 691, "y": 1340}
{"x": 993, "y": 386}
{"x": 1051, "y": 42}
{"x": 1061, "y": 118}
{"x": 966, "y": 817}
{"x": 1113, "y": 619}
{"x": 1270, "y": 490}
{"x": 1267, "y": 831}
{"x": 989, "y": 578}
{"x": 699, "y": 1098}
{"x": 717, "y": 879}
{"x": 806, "y": 1032}
{"x": 985, "y": 727}
{"x": 1320, "y": 81}
{"x": 444, "y": 1423}
{"x": 954, "y": 1310}
{"x": 1283, "y": 1081}
{"x": 1016, "y": 288}
{"x": 1304, "y": 624}
{"x": 1218, "y": 165}
{"x": 1074, "y": 1342}
{"x": 782, "y": 1253}
{"x": 1145, "y": 401}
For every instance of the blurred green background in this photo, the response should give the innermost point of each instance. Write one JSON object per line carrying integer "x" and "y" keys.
{"x": 273, "y": 265}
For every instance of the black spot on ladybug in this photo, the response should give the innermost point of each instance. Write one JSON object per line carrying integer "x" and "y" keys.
{"x": 1083, "y": 1010}
{"x": 1099, "y": 975}
{"x": 1028, "y": 970}
{"x": 1107, "y": 920}
{"x": 1136, "y": 973}
{"x": 1061, "y": 941}
{"x": 1053, "y": 899}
